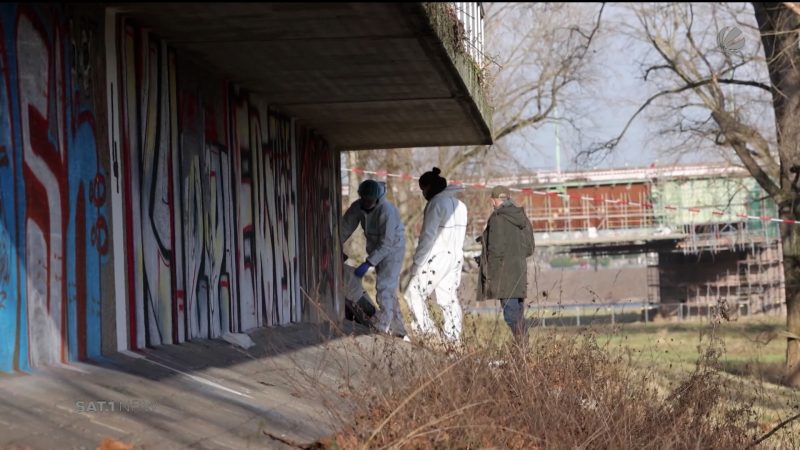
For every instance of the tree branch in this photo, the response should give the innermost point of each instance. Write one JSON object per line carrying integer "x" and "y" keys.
{"x": 654, "y": 68}
{"x": 750, "y": 83}
{"x": 737, "y": 135}
{"x": 774, "y": 430}
{"x": 612, "y": 143}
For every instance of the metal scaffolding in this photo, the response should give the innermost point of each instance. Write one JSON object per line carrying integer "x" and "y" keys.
{"x": 706, "y": 213}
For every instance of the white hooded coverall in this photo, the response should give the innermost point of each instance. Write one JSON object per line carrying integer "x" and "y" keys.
{"x": 386, "y": 244}
{"x": 437, "y": 265}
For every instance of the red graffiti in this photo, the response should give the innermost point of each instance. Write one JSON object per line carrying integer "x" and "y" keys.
{"x": 211, "y": 126}
{"x": 3, "y": 156}
{"x": 318, "y": 173}
{"x": 100, "y": 235}
{"x": 45, "y": 174}
{"x": 97, "y": 190}
{"x": 188, "y": 109}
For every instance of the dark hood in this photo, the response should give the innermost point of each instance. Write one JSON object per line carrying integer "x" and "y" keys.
{"x": 514, "y": 214}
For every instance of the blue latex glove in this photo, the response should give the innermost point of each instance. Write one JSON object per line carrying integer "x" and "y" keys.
{"x": 362, "y": 269}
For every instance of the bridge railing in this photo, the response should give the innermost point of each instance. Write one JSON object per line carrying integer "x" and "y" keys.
{"x": 471, "y": 16}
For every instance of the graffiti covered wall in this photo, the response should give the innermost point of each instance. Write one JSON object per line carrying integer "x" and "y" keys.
{"x": 228, "y": 210}
{"x": 318, "y": 191}
{"x": 147, "y": 114}
{"x": 54, "y": 234}
{"x": 211, "y": 202}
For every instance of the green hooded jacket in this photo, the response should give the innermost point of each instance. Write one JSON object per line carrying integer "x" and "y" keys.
{"x": 506, "y": 243}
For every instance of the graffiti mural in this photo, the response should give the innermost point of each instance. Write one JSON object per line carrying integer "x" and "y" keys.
{"x": 277, "y": 236}
{"x": 318, "y": 213}
{"x": 265, "y": 180}
{"x": 246, "y": 306}
{"x": 210, "y": 200}
{"x": 217, "y": 236}
{"x": 148, "y": 149}
{"x": 53, "y": 228}
{"x": 12, "y": 305}
{"x": 206, "y": 200}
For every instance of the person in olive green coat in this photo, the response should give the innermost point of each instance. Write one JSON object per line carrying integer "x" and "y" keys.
{"x": 506, "y": 243}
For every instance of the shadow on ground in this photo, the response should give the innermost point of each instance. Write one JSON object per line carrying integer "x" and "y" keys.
{"x": 288, "y": 390}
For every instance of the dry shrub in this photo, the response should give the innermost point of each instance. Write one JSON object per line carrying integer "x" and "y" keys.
{"x": 561, "y": 392}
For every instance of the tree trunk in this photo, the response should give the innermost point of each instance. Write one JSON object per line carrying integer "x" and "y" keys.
{"x": 791, "y": 266}
{"x": 777, "y": 25}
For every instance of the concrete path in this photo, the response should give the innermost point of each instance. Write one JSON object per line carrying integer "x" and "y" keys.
{"x": 287, "y": 391}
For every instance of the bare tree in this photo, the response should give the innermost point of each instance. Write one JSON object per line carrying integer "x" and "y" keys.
{"x": 779, "y": 24}
{"x": 717, "y": 93}
{"x": 533, "y": 63}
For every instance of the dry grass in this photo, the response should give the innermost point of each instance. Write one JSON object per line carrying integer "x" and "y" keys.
{"x": 566, "y": 388}
{"x": 566, "y": 391}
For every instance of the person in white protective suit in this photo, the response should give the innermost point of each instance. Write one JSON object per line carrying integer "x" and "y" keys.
{"x": 438, "y": 259}
{"x": 386, "y": 244}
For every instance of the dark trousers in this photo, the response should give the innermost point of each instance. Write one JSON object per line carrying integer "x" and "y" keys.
{"x": 514, "y": 315}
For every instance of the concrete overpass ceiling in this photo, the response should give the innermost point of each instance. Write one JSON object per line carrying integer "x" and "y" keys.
{"x": 365, "y": 75}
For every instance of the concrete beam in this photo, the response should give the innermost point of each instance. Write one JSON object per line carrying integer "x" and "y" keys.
{"x": 366, "y": 76}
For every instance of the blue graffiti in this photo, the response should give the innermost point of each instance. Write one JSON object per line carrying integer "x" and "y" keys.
{"x": 86, "y": 233}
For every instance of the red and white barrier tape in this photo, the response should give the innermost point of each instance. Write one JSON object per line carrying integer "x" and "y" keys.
{"x": 622, "y": 202}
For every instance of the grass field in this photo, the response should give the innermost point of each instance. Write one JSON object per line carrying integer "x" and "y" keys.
{"x": 751, "y": 346}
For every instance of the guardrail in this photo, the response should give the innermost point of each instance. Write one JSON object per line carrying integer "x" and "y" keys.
{"x": 619, "y": 313}
{"x": 471, "y": 16}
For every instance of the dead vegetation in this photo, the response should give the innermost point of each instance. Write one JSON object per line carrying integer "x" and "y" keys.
{"x": 559, "y": 391}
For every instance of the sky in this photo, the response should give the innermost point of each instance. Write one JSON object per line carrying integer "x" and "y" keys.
{"x": 618, "y": 91}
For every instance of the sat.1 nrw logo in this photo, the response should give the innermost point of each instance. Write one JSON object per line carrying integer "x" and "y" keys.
{"x": 730, "y": 40}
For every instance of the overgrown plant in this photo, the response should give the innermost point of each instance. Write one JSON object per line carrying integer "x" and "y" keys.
{"x": 559, "y": 391}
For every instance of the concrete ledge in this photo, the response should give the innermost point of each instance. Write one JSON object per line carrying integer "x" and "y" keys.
{"x": 363, "y": 75}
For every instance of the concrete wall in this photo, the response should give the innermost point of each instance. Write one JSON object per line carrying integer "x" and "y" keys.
{"x": 54, "y": 227}
{"x": 319, "y": 199}
{"x": 145, "y": 200}
{"x": 211, "y": 178}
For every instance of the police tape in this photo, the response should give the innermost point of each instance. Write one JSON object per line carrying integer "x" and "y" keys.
{"x": 582, "y": 198}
